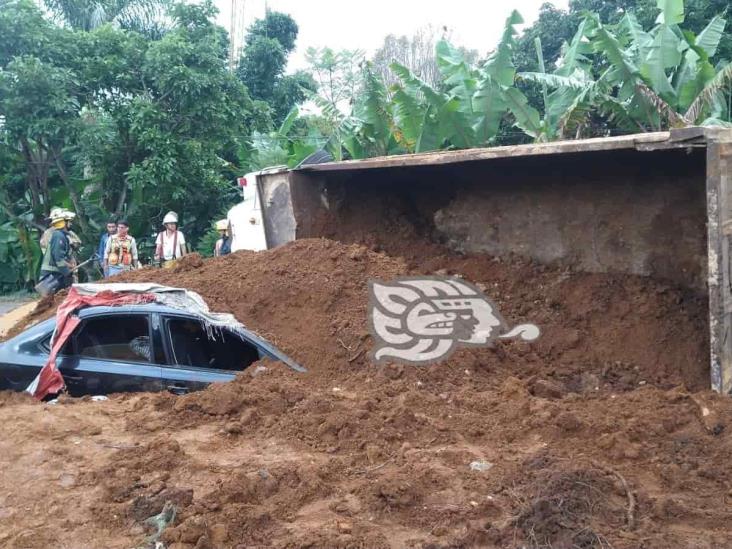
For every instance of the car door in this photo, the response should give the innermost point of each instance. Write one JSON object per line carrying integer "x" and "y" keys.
{"x": 113, "y": 353}
{"x": 197, "y": 357}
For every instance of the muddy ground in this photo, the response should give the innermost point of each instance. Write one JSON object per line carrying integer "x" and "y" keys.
{"x": 600, "y": 434}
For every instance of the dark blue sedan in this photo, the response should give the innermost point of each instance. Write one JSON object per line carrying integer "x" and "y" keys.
{"x": 136, "y": 348}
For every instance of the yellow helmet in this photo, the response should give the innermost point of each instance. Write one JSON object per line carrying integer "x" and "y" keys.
{"x": 222, "y": 225}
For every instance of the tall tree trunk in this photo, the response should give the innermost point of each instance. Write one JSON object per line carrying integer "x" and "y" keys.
{"x": 31, "y": 175}
{"x": 73, "y": 194}
{"x": 122, "y": 199}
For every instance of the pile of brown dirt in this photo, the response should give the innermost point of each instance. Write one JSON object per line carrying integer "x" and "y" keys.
{"x": 310, "y": 299}
{"x": 588, "y": 437}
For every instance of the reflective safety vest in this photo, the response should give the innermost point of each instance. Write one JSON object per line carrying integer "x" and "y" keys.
{"x": 120, "y": 251}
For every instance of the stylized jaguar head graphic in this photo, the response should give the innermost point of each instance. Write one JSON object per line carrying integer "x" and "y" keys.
{"x": 423, "y": 320}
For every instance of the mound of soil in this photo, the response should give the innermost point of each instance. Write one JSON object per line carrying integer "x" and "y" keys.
{"x": 595, "y": 435}
{"x": 310, "y": 299}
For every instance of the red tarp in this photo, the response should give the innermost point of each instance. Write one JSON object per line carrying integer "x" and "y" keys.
{"x": 49, "y": 379}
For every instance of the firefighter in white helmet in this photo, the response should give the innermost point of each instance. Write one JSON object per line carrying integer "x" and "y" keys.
{"x": 170, "y": 243}
{"x": 223, "y": 244}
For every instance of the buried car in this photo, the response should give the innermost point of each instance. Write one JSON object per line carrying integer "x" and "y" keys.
{"x": 141, "y": 347}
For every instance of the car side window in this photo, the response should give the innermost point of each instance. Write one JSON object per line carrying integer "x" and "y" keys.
{"x": 45, "y": 346}
{"x": 193, "y": 345}
{"x": 116, "y": 337}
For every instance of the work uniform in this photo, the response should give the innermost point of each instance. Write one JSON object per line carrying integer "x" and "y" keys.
{"x": 170, "y": 246}
{"x": 46, "y": 238}
{"x": 57, "y": 258}
{"x": 120, "y": 254}
{"x": 74, "y": 240}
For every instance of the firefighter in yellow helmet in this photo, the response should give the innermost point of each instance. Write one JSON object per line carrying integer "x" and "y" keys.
{"x": 46, "y": 236}
{"x": 57, "y": 262}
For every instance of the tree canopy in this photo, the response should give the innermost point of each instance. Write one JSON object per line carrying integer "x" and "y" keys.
{"x": 110, "y": 121}
{"x": 268, "y": 43}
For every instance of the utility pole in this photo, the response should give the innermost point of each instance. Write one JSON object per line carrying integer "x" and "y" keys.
{"x": 236, "y": 31}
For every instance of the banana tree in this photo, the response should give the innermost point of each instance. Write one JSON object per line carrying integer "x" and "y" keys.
{"x": 280, "y": 146}
{"x": 374, "y": 131}
{"x": 662, "y": 77}
{"x": 470, "y": 110}
{"x": 567, "y": 108}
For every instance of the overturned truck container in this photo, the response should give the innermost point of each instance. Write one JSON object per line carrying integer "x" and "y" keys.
{"x": 653, "y": 204}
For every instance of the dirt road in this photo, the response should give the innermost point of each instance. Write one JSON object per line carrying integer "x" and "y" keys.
{"x": 13, "y": 311}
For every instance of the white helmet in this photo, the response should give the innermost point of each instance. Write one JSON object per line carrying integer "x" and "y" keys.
{"x": 222, "y": 225}
{"x": 170, "y": 217}
{"x": 68, "y": 214}
{"x": 57, "y": 214}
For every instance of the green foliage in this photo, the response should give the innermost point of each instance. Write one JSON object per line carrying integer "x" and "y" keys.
{"x": 338, "y": 75}
{"x": 288, "y": 145}
{"x": 112, "y": 121}
{"x": 262, "y": 65}
{"x": 466, "y": 111}
{"x": 657, "y": 75}
{"x": 144, "y": 16}
{"x": 277, "y": 26}
{"x": 604, "y": 77}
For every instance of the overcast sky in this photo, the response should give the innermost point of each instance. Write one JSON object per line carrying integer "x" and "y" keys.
{"x": 348, "y": 24}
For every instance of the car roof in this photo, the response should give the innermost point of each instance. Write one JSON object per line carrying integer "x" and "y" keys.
{"x": 134, "y": 308}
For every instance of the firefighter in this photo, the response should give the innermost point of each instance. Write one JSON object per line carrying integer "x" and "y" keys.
{"x": 170, "y": 243}
{"x": 223, "y": 244}
{"x": 120, "y": 253}
{"x": 46, "y": 236}
{"x": 57, "y": 257}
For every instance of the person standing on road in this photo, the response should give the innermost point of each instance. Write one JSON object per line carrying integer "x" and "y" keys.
{"x": 223, "y": 244}
{"x": 57, "y": 257}
{"x": 170, "y": 243}
{"x": 101, "y": 249}
{"x": 120, "y": 253}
